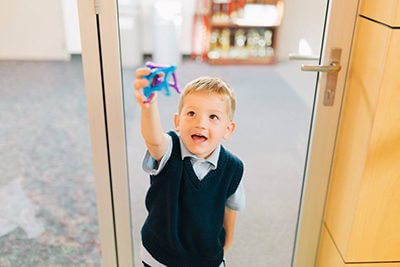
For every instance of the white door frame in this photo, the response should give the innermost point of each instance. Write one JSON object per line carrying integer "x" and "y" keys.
{"x": 102, "y": 70}
{"x": 338, "y": 32}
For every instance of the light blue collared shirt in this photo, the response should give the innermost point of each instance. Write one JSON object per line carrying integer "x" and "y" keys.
{"x": 237, "y": 201}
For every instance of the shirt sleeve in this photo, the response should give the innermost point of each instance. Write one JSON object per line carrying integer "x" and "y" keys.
{"x": 237, "y": 201}
{"x": 151, "y": 166}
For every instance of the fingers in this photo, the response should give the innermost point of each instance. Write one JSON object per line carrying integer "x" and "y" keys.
{"x": 139, "y": 96}
{"x": 141, "y": 99}
{"x": 140, "y": 83}
{"x": 140, "y": 72}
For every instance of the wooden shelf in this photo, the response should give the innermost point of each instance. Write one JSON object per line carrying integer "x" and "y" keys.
{"x": 222, "y": 23}
{"x": 221, "y": 1}
{"x": 242, "y": 61}
{"x": 241, "y": 25}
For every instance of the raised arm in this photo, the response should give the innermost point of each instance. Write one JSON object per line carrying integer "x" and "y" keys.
{"x": 229, "y": 225}
{"x": 152, "y": 132}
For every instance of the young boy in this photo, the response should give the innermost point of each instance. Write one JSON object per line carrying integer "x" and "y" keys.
{"x": 195, "y": 183}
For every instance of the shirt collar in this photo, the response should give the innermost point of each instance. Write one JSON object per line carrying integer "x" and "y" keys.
{"x": 212, "y": 159}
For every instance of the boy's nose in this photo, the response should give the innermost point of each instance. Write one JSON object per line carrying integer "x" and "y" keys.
{"x": 201, "y": 121}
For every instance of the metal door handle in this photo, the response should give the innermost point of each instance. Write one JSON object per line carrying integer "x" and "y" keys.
{"x": 332, "y": 71}
{"x": 333, "y": 67}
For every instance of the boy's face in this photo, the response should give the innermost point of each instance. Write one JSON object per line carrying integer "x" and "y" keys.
{"x": 203, "y": 122}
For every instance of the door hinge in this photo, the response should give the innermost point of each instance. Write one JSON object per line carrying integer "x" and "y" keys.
{"x": 97, "y": 6}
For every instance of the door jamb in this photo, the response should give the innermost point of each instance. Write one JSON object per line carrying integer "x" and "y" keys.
{"x": 103, "y": 86}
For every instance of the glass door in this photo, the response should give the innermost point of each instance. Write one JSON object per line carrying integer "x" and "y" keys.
{"x": 286, "y": 118}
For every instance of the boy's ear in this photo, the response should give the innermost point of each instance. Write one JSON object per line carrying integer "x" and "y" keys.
{"x": 229, "y": 130}
{"x": 176, "y": 121}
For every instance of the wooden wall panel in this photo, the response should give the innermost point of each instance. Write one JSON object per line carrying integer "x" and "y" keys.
{"x": 376, "y": 224}
{"x": 367, "y": 66}
{"x": 386, "y": 11}
{"x": 330, "y": 257}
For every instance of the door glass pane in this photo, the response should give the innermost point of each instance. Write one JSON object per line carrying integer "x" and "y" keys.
{"x": 247, "y": 46}
{"x": 48, "y": 213}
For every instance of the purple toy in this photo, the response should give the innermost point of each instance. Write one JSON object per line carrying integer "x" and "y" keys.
{"x": 156, "y": 83}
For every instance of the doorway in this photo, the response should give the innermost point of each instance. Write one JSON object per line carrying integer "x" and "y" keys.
{"x": 274, "y": 115}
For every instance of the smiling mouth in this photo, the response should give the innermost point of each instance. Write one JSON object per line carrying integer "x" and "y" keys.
{"x": 198, "y": 138}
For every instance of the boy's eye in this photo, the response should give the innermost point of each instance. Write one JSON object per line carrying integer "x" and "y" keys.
{"x": 214, "y": 117}
{"x": 190, "y": 113}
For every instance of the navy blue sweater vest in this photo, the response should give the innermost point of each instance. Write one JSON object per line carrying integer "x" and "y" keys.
{"x": 184, "y": 227}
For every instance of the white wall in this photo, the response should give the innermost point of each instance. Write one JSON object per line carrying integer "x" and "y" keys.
{"x": 145, "y": 19}
{"x": 71, "y": 26}
{"x": 35, "y": 29}
{"x": 32, "y": 30}
{"x": 301, "y": 19}
{"x": 186, "y": 30}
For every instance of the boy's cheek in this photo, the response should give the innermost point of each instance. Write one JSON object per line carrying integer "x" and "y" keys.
{"x": 227, "y": 134}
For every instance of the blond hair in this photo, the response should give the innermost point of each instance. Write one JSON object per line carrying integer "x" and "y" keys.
{"x": 210, "y": 85}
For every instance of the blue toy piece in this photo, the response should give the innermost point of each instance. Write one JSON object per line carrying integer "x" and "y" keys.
{"x": 157, "y": 83}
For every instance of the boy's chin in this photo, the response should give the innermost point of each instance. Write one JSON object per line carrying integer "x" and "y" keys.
{"x": 202, "y": 153}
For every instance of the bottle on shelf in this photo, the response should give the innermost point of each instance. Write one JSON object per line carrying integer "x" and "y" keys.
{"x": 239, "y": 50}
{"x": 264, "y": 44}
{"x": 224, "y": 41}
{"x": 253, "y": 38}
{"x": 215, "y": 50}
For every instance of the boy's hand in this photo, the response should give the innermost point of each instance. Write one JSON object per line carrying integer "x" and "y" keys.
{"x": 141, "y": 83}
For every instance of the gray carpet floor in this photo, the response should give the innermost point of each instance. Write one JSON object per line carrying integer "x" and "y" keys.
{"x": 48, "y": 211}
{"x": 45, "y": 156}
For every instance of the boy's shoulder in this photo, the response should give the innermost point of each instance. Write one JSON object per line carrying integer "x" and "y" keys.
{"x": 173, "y": 134}
{"x": 231, "y": 157}
{"x": 176, "y": 148}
